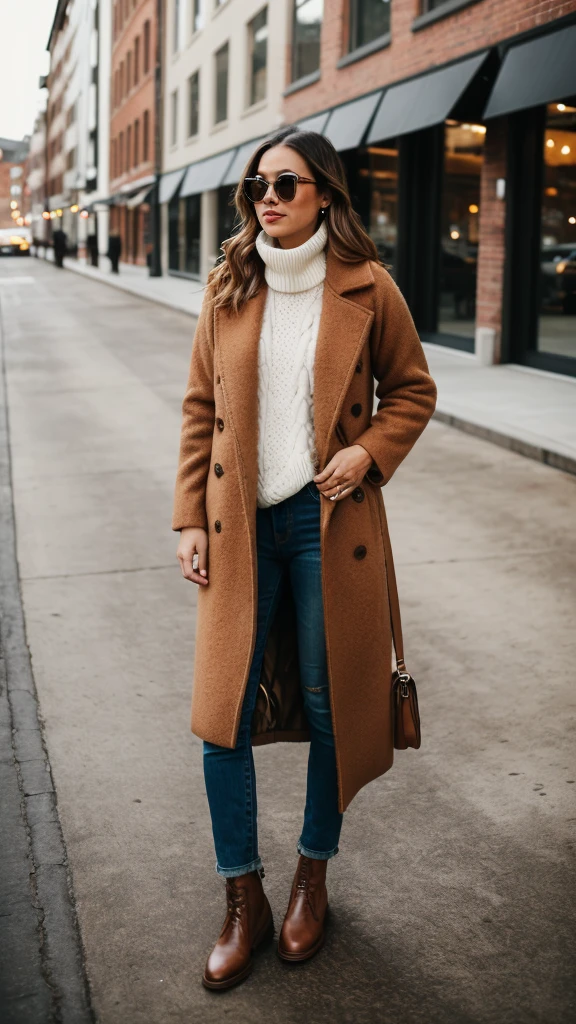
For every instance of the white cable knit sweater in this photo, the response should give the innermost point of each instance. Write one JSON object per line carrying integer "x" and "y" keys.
{"x": 286, "y": 443}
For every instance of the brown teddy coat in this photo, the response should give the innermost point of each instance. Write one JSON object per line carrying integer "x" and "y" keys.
{"x": 365, "y": 332}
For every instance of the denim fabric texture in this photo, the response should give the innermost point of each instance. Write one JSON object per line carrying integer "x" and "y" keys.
{"x": 287, "y": 541}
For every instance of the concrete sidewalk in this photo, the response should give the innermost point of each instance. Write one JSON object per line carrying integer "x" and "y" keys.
{"x": 525, "y": 410}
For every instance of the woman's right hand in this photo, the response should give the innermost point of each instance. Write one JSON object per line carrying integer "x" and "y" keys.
{"x": 193, "y": 541}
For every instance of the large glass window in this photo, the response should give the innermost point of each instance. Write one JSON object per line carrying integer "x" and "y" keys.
{"x": 460, "y": 209}
{"x": 369, "y": 19}
{"x": 306, "y": 29}
{"x": 196, "y": 15}
{"x": 221, "y": 71}
{"x": 557, "y": 313}
{"x": 193, "y": 103}
{"x": 258, "y": 56}
{"x": 382, "y": 170}
{"x": 184, "y": 235}
{"x": 176, "y": 27}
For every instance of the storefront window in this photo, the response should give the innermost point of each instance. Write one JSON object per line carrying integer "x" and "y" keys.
{"x": 557, "y": 314}
{"x": 460, "y": 211}
{"x": 382, "y": 171}
{"x": 184, "y": 235}
{"x": 306, "y": 29}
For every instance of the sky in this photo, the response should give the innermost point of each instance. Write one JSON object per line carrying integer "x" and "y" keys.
{"x": 24, "y": 29}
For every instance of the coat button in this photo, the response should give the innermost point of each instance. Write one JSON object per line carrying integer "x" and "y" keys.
{"x": 358, "y": 494}
{"x": 360, "y": 551}
{"x": 356, "y": 409}
{"x": 359, "y": 367}
{"x": 218, "y": 469}
{"x": 217, "y": 526}
{"x": 218, "y": 379}
{"x": 220, "y": 424}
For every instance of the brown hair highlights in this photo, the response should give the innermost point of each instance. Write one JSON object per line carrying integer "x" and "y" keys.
{"x": 239, "y": 275}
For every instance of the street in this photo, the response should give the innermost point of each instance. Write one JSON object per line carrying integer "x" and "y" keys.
{"x": 452, "y": 898}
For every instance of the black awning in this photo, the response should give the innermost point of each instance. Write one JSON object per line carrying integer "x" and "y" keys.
{"x": 536, "y": 72}
{"x": 314, "y": 123}
{"x": 348, "y": 122}
{"x": 423, "y": 101}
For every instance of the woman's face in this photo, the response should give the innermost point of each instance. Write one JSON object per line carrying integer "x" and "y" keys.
{"x": 295, "y": 222}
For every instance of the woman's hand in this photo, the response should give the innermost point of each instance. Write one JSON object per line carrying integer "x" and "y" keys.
{"x": 193, "y": 541}
{"x": 344, "y": 472}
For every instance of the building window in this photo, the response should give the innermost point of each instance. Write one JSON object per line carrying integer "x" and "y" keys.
{"x": 196, "y": 15}
{"x": 221, "y": 68}
{"x": 71, "y": 159}
{"x": 382, "y": 173}
{"x": 306, "y": 29}
{"x": 129, "y": 71}
{"x": 557, "y": 306}
{"x": 193, "y": 103}
{"x": 258, "y": 56}
{"x": 176, "y": 26}
{"x": 121, "y": 79}
{"x": 146, "y": 135}
{"x": 136, "y": 60}
{"x": 459, "y": 234}
{"x": 136, "y": 143}
{"x": 121, "y": 153}
{"x": 113, "y": 160}
{"x": 369, "y": 19}
{"x": 174, "y": 117}
{"x": 146, "y": 55}
{"x": 128, "y": 147}
{"x": 432, "y": 5}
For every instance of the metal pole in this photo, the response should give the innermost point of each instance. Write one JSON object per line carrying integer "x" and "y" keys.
{"x": 155, "y": 217}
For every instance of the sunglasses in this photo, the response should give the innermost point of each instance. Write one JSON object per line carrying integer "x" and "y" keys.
{"x": 285, "y": 186}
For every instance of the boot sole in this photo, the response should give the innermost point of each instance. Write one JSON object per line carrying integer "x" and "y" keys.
{"x": 298, "y": 958}
{"x": 219, "y": 986}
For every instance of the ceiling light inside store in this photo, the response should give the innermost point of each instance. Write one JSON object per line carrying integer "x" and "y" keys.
{"x": 550, "y": 143}
{"x": 572, "y": 220}
{"x": 565, "y": 150}
{"x": 473, "y": 208}
{"x": 560, "y": 106}
{"x": 454, "y": 234}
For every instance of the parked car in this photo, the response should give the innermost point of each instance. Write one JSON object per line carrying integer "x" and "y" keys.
{"x": 14, "y": 244}
{"x": 558, "y": 270}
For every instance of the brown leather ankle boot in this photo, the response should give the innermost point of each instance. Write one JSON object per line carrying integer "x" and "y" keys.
{"x": 248, "y": 923}
{"x": 302, "y": 933}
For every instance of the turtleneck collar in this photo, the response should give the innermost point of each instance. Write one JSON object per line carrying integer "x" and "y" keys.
{"x": 294, "y": 270}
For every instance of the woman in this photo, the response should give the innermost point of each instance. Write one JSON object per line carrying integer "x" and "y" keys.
{"x": 278, "y": 500}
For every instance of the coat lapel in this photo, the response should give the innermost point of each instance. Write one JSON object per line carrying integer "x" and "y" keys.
{"x": 342, "y": 331}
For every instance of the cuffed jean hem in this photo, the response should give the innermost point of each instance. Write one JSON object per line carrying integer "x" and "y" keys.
{"x": 254, "y": 865}
{"x": 315, "y": 854}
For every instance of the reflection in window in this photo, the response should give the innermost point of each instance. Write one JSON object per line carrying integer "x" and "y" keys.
{"x": 382, "y": 170}
{"x": 306, "y": 30}
{"x": 369, "y": 19}
{"x": 463, "y": 155}
{"x": 557, "y": 320}
{"x": 258, "y": 52}
{"x": 221, "y": 62}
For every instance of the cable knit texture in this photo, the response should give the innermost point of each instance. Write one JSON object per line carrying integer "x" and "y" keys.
{"x": 287, "y": 457}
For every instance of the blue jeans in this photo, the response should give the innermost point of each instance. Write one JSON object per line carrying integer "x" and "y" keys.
{"x": 287, "y": 540}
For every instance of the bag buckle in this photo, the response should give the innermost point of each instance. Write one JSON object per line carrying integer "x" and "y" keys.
{"x": 404, "y": 678}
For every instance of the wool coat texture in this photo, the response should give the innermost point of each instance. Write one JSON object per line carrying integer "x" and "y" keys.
{"x": 366, "y": 332}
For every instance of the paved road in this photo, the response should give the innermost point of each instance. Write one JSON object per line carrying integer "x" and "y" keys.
{"x": 452, "y": 896}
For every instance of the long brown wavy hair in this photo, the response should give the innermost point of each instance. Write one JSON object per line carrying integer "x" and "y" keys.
{"x": 239, "y": 274}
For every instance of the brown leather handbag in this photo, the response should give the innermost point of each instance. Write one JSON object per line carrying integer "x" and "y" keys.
{"x": 405, "y": 712}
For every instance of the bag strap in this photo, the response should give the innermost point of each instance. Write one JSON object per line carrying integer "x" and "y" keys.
{"x": 393, "y": 600}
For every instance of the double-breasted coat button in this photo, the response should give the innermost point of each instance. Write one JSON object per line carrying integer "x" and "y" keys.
{"x": 359, "y": 367}
{"x": 356, "y": 409}
{"x": 217, "y": 526}
{"x": 358, "y": 494}
{"x": 360, "y": 551}
{"x": 218, "y": 469}
{"x": 218, "y": 379}
{"x": 220, "y": 424}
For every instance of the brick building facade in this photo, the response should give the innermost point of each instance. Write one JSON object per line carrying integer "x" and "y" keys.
{"x": 132, "y": 124}
{"x": 461, "y": 163}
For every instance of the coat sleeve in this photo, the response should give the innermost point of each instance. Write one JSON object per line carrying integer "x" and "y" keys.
{"x": 405, "y": 390}
{"x": 197, "y": 427}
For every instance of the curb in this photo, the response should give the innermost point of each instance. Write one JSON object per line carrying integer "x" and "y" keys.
{"x": 42, "y": 975}
{"x": 532, "y": 451}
